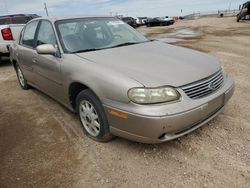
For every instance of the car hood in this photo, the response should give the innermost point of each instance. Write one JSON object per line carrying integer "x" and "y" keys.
{"x": 156, "y": 64}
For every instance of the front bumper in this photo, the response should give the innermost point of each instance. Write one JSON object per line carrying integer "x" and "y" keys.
{"x": 164, "y": 122}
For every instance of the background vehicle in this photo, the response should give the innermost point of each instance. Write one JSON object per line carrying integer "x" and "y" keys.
{"x": 170, "y": 20}
{"x": 244, "y": 12}
{"x": 130, "y": 21}
{"x": 160, "y": 21}
{"x": 10, "y": 28}
{"x": 141, "y": 21}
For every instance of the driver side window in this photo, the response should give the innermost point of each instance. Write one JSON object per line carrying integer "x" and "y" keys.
{"x": 46, "y": 34}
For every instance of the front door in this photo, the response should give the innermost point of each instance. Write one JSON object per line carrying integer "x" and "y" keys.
{"x": 48, "y": 67}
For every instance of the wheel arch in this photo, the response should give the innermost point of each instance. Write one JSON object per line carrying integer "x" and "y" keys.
{"x": 74, "y": 89}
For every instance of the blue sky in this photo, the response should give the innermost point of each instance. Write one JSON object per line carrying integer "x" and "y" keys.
{"x": 126, "y": 7}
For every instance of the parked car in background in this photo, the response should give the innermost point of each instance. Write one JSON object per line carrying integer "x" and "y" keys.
{"x": 141, "y": 21}
{"x": 10, "y": 28}
{"x": 244, "y": 12}
{"x": 130, "y": 21}
{"x": 119, "y": 82}
{"x": 160, "y": 21}
{"x": 170, "y": 20}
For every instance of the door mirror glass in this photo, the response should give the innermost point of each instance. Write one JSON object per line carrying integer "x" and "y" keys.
{"x": 46, "y": 49}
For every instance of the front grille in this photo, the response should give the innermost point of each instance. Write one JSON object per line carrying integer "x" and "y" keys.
{"x": 204, "y": 87}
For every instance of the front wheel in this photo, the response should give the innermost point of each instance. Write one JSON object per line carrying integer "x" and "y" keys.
{"x": 92, "y": 116}
{"x": 22, "y": 81}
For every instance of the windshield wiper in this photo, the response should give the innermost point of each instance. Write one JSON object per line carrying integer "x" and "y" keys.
{"x": 119, "y": 45}
{"x": 125, "y": 44}
{"x": 86, "y": 50}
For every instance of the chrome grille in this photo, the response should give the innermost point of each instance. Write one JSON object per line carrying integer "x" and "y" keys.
{"x": 204, "y": 87}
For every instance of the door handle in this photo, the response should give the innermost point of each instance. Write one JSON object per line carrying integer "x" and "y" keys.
{"x": 34, "y": 60}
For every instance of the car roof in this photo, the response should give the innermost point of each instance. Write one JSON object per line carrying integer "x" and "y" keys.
{"x": 57, "y": 18}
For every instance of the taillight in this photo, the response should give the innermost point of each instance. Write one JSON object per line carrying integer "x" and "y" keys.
{"x": 6, "y": 33}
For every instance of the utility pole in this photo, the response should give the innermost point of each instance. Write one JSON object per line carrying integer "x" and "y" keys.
{"x": 46, "y": 9}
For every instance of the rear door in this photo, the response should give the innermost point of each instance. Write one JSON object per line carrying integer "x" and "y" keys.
{"x": 26, "y": 50}
{"x": 48, "y": 67}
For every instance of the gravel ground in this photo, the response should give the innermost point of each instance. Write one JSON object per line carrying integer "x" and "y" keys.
{"x": 42, "y": 144}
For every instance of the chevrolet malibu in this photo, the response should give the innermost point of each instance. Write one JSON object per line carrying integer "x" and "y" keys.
{"x": 117, "y": 81}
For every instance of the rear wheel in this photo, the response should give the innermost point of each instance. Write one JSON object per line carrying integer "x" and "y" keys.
{"x": 22, "y": 81}
{"x": 92, "y": 116}
{"x": 238, "y": 18}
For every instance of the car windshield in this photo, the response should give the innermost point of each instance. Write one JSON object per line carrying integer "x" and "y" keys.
{"x": 89, "y": 34}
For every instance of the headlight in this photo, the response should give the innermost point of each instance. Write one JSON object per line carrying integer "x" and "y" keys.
{"x": 153, "y": 95}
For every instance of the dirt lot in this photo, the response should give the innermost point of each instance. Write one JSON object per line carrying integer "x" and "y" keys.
{"x": 42, "y": 144}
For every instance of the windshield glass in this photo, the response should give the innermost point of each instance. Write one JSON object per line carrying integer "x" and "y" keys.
{"x": 87, "y": 34}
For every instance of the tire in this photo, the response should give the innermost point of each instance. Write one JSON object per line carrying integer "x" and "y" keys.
{"x": 22, "y": 81}
{"x": 0, "y": 58}
{"x": 92, "y": 116}
{"x": 238, "y": 18}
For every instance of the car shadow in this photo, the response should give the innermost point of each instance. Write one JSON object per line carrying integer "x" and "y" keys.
{"x": 5, "y": 63}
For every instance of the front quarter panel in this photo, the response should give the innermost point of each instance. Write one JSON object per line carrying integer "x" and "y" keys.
{"x": 106, "y": 83}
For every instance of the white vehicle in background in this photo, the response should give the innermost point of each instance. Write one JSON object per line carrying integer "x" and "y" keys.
{"x": 141, "y": 21}
{"x": 169, "y": 19}
{"x": 10, "y": 28}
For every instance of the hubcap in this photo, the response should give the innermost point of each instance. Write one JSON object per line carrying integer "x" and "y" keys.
{"x": 20, "y": 76}
{"x": 89, "y": 118}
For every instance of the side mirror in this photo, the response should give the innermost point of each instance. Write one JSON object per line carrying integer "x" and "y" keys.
{"x": 46, "y": 49}
{"x": 240, "y": 7}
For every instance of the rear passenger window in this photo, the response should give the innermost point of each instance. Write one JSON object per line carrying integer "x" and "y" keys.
{"x": 46, "y": 34}
{"x": 29, "y": 34}
{"x": 4, "y": 21}
{"x": 20, "y": 20}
